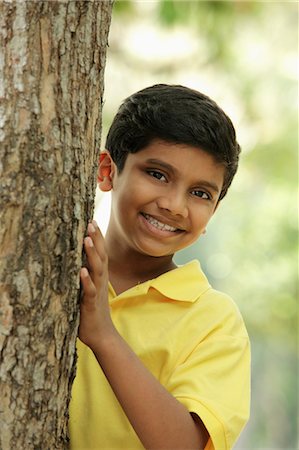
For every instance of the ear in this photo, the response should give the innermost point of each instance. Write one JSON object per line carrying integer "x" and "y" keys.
{"x": 106, "y": 170}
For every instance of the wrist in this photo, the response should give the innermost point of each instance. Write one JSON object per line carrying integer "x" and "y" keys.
{"x": 103, "y": 345}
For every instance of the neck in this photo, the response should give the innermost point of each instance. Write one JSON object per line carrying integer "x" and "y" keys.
{"x": 125, "y": 263}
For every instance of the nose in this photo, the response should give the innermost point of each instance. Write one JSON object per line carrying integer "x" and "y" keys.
{"x": 175, "y": 203}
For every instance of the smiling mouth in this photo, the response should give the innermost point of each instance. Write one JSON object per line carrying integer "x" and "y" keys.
{"x": 159, "y": 225}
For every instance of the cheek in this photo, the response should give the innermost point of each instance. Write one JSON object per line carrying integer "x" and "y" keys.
{"x": 136, "y": 196}
{"x": 200, "y": 219}
{"x": 126, "y": 204}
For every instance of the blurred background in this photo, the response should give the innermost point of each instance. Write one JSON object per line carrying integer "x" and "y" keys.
{"x": 244, "y": 55}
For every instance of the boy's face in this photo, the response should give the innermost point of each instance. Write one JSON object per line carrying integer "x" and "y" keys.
{"x": 163, "y": 198}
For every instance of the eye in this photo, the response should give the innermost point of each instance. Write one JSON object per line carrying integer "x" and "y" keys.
{"x": 157, "y": 174}
{"x": 201, "y": 194}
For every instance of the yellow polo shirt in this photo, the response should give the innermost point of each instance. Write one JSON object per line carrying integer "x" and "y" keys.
{"x": 192, "y": 338}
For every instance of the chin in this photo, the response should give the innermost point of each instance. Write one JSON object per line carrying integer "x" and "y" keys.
{"x": 158, "y": 253}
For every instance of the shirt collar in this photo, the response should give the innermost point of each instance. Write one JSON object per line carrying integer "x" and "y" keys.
{"x": 185, "y": 283}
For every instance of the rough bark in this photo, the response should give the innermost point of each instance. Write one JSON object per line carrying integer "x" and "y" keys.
{"x": 52, "y": 58}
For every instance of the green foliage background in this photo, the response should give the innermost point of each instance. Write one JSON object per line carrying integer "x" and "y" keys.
{"x": 249, "y": 51}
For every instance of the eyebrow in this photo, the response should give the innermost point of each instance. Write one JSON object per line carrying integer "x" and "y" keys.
{"x": 169, "y": 167}
{"x": 163, "y": 164}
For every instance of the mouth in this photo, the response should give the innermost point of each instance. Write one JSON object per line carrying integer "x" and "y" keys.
{"x": 160, "y": 225}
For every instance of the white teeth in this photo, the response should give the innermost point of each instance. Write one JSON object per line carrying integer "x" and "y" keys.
{"x": 159, "y": 225}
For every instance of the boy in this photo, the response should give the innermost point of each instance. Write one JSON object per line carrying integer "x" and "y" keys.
{"x": 163, "y": 359}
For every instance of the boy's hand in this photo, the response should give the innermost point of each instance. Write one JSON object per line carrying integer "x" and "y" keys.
{"x": 95, "y": 319}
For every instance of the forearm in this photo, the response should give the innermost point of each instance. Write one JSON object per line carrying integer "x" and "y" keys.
{"x": 158, "y": 419}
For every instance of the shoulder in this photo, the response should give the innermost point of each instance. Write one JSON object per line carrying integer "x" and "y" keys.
{"x": 222, "y": 313}
{"x": 219, "y": 311}
{"x": 199, "y": 302}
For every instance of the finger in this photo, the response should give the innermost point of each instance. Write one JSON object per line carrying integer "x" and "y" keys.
{"x": 97, "y": 267}
{"x": 98, "y": 240}
{"x": 95, "y": 263}
{"x": 89, "y": 289}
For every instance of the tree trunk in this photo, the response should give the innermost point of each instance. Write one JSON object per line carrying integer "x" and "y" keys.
{"x": 52, "y": 60}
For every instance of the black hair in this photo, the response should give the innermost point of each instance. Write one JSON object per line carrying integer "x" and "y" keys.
{"x": 175, "y": 114}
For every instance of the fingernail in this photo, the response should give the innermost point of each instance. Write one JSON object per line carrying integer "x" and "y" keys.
{"x": 91, "y": 228}
{"x": 84, "y": 272}
{"x": 88, "y": 242}
{"x": 94, "y": 222}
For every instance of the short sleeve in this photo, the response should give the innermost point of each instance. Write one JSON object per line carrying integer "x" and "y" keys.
{"x": 214, "y": 383}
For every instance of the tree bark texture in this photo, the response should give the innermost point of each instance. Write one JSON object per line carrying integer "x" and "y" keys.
{"x": 52, "y": 59}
